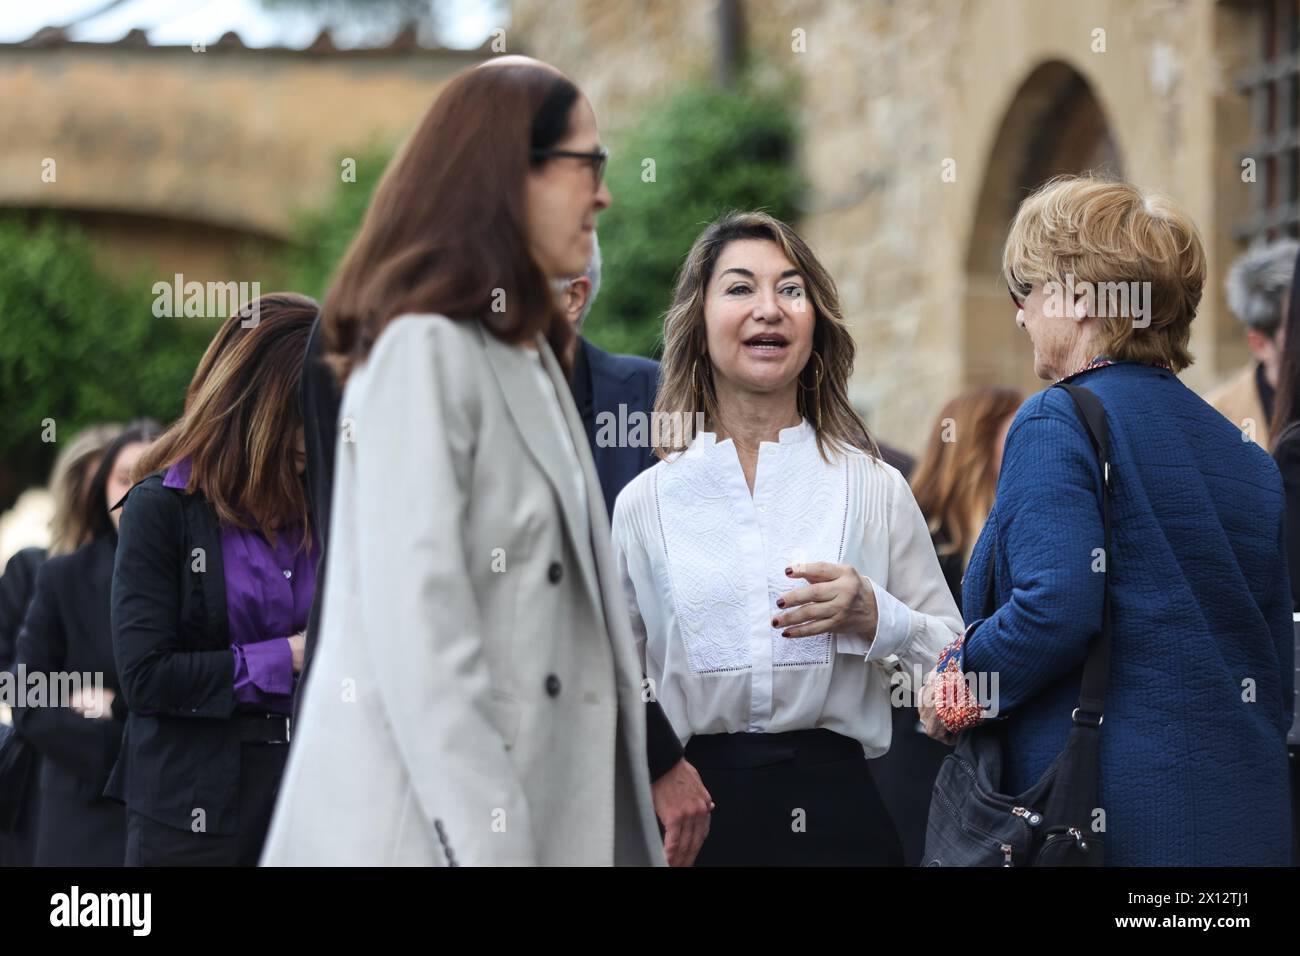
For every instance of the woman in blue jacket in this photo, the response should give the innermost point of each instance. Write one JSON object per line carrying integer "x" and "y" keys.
{"x": 1106, "y": 281}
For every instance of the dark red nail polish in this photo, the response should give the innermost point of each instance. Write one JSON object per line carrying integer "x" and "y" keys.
{"x": 781, "y": 603}
{"x": 785, "y": 633}
{"x": 789, "y": 570}
{"x": 775, "y": 622}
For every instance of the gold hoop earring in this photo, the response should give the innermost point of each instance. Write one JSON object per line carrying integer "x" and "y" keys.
{"x": 695, "y": 385}
{"x": 816, "y": 389}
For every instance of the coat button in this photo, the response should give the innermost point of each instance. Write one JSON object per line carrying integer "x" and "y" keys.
{"x": 554, "y": 572}
{"x": 552, "y": 685}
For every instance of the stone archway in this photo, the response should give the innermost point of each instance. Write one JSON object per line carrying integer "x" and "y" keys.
{"x": 1053, "y": 125}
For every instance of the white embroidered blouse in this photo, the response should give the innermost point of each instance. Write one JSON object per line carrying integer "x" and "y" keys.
{"x": 703, "y": 564}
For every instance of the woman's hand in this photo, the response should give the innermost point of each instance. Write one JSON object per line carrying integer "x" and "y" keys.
{"x": 934, "y": 727}
{"x": 88, "y": 702}
{"x": 298, "y": 645}
{"x": 837, "y": 599}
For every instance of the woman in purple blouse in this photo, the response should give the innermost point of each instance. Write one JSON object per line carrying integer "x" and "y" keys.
{"x": 211, "y": 591}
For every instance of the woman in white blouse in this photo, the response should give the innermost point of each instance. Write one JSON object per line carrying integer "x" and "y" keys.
{"x": 778, "y": 572}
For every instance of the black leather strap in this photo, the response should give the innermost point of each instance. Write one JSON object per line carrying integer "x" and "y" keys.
{"x": 1096, "y": 669}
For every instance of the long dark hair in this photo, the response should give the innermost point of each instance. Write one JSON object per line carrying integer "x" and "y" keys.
{"x": 241, "y": 417}
{"x": 96, "y": 508}
{"x": 445, "y": 232}
{"x": 1286, "y": 402}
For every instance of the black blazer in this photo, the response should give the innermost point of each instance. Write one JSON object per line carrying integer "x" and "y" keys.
{"x": 601, "y": 382}
{"x": 17, "y": 585}
{"x": 171, "y": 641}
{"x": 67, "y": 630}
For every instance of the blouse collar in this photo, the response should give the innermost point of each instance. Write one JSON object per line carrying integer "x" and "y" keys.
{"x": 794, "y": 435}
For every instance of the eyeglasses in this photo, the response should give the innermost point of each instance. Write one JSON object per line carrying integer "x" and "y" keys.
{"x": 1019, "y": 300}
{"x": 595, "y": 159}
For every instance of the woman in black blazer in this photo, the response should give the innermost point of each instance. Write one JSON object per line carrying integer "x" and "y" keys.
{"x": 66, "y": 632}
{"x": 213, "y": 582}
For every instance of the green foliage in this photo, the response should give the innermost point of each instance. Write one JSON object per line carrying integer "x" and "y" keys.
{"x": 323, "y": 235}
{"x": 78, "y": 348}
{"x": 714, "y": 151}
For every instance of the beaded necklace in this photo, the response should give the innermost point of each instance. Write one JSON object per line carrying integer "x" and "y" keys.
{"x": 1099, "y": 361}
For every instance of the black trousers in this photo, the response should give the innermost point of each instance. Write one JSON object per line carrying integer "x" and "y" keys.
{"x": 802, "y": 798}
{"x": 150, "y": 843}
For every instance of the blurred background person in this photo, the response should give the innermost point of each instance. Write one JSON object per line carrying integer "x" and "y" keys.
{"x": 777, "y": 571}
{"x": 957, "y": 476}
{"x": 69, "y": 529}
{"x": 1284, "y": 439}
{"x": 211, "y": 591}
{"x": 470, "y": 569}
{"x": 954, "y": 484}
{"x": 1257, "y": 285}
{"x": 67, "y": 631}
{"x": 617, "y": 391}
{"x": 1193, "y": 770}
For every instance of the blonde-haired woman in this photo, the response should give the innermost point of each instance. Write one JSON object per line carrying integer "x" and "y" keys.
{"x": 777, "y": 571}
{"x": 1197, "y": 661}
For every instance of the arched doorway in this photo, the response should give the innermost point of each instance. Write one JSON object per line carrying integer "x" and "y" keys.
{"x": 1054, "y": 125}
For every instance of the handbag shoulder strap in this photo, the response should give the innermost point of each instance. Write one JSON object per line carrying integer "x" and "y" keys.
{"x": 1096, "y": 668}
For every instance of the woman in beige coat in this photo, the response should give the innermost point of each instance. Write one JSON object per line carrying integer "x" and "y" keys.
{"x": 475, "y": 697}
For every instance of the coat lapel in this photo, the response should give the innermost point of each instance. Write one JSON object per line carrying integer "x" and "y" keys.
{"x": 528, "y": 409}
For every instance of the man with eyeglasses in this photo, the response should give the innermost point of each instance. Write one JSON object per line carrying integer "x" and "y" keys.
{"x": 624, "y": 386}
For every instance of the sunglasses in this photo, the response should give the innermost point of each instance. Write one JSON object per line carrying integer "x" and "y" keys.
{"x": 595, "y": 159}
{"x": 1019, "y": 300}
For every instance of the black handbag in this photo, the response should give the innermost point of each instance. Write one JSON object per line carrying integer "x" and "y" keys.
{"x": 971, "y": 822}
{"x": 17, "y": 770}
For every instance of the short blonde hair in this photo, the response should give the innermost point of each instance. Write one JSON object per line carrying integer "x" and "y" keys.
{"x": 1101, "y": 231}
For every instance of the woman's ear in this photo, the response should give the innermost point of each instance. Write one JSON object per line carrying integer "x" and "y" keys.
{"x": 1080, "y": 308}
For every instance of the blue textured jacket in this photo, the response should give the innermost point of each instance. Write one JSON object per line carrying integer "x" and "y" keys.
{"x": 1193, "y": 746}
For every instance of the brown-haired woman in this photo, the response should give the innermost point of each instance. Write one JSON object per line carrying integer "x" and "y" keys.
{"x": 474, "y": 697}
{"x": 957, "y": 476}
{"x": 777, "y": 570}
{"x": 213, "y": 581}
{"x": 954, "y": 484}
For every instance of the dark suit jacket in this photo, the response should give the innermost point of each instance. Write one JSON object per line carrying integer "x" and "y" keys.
{"x": 171, "y": 643}
{"x": 67, "y": 630}
{"x": 614, "y": 388}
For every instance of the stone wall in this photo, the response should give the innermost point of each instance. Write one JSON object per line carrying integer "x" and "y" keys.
{"x": 1008, "y": 90}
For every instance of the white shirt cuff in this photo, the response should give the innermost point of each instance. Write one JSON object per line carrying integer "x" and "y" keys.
{"x": 893, "y": 625}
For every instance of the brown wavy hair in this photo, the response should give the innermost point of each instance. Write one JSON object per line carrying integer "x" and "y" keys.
{"x": 241, "y": 417}
{"x": 686, "y": 384}
{"x": 446, "y": 232}
{"x": 955, "y": 481}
